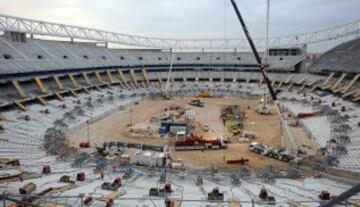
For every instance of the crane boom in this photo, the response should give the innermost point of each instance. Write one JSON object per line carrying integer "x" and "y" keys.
{"x": 255, "y": 52}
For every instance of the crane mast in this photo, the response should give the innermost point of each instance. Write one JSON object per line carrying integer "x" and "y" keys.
{"x": 267, "y": 32}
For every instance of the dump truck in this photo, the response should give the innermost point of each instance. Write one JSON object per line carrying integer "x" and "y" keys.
{"x": 199, "y": 143}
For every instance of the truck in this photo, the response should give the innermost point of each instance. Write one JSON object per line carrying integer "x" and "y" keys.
{"x": 278, "y": 153}
{"x": 258, "y": 148}
{"x": 199, "y": 143}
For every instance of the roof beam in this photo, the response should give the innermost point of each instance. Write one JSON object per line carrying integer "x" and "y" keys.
{"x": 30, "y": 26}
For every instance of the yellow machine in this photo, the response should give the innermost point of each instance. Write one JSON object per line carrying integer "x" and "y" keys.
{"x": 203, "y": 94}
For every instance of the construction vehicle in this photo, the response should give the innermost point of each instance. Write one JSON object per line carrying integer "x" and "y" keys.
{"x": 263, "y": 107}
{"x": 199, "y": 143}
{"x": 197, "y": 103}
{"x": 258, "y": 147}
{"x": 204, "y": 94}
{"x": 215, "y": 195}
{"x": 278, "y": 153}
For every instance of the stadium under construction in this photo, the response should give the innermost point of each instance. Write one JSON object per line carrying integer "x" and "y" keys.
{"x": 177, "y": 122}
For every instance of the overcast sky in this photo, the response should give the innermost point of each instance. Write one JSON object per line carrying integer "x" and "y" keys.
{"x": 188, "y": 18}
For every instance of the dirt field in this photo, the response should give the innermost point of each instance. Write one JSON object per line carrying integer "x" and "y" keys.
{"x": 115, "y": 128}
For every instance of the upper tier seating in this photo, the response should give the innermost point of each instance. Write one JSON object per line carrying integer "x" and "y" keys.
{"x": 343, "y": 58}
{"x": 44, "y": 55}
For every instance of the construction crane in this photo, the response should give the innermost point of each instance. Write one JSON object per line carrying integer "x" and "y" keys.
{"x": 263, "y": 108}
{"x": 288, "y": 134}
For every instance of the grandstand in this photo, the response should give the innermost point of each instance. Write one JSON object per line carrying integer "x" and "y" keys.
{"x": 50, "y": 87}
{"x": 342, "y": 58}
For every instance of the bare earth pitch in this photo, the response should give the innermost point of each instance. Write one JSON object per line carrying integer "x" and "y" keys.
{"x": 115, "y": 127}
